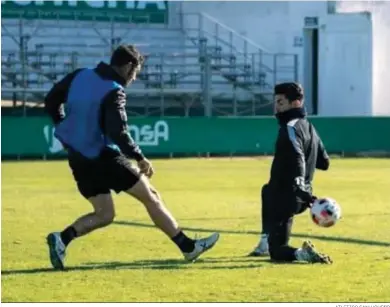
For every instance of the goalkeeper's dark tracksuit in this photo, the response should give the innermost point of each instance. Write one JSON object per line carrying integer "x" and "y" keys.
{"x": 298, "y": 152}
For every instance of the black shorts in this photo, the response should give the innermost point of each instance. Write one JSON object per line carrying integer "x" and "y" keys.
{"x": 111, "y": 171}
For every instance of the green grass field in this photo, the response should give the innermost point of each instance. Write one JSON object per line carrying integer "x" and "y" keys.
{"x": 132, "y": 261}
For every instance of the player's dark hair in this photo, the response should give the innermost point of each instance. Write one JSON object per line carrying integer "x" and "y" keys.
{"x": 126, "y": 54}
{"x": 292, "y": 90}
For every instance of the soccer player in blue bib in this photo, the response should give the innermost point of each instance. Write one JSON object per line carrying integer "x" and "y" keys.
{"x": 88, "y": 110}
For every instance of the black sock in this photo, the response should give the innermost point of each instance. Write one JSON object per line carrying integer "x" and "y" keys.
{"x": 185, "y": 244}
{"x": 68, "y": 235}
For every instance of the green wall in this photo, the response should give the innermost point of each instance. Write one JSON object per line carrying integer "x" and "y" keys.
{"x": 136, "y": 11}
{"x": 34, "y": 135}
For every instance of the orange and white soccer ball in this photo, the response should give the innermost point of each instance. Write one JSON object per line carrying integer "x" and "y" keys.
{"x": 325, "y": 212}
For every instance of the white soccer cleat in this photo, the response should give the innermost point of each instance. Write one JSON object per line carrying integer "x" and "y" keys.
{"x": 308, "y": 254}
{"x": 262, "y": 249}
{"x": 56, "y": 250}
{"x": 201, "y": 246}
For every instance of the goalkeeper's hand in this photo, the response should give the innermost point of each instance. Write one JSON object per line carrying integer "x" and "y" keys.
{"x": 312, "y": 200}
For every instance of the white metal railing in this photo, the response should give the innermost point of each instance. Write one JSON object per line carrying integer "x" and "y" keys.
{"x": 201, "y": 27}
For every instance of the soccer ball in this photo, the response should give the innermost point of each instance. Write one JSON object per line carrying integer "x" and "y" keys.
{"x": 325, "y": 212}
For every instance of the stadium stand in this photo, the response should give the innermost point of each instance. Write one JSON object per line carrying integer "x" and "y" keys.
{"x": 203, "y": 70}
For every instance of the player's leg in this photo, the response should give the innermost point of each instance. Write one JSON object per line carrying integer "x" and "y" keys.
{"x": 280, "y": 250}
{"x": 90, "y": 182}
{"x": 126, "y": 178}
{"x": 164, "y": 220}
{"x": 279, "y": 237}
{"x": 262, "y": 248}
{"x": 102, "y": 216}
{"x": 266, "y": 210}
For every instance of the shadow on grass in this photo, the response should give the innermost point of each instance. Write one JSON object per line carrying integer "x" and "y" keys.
{"x": 165, "y": 264}
{"x": 296, "y": 235}
{"x": 201, "y": 264}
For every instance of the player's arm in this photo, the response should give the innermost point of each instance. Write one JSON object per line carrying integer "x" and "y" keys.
{"x": 57, "y": 96}
{"x": 114, "y": 124}
{"x": 296, "y": 159}
{"x": 322, "y": 162}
